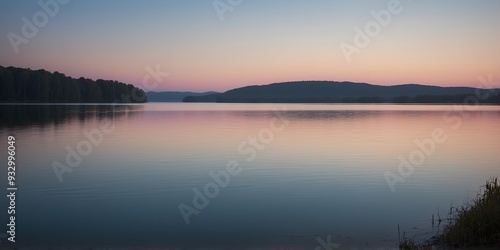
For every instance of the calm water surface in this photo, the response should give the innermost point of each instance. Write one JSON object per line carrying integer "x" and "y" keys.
{"x": 307, "y": 171}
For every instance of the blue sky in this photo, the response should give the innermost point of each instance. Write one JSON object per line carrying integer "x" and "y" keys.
{"x": 258, "y": 42}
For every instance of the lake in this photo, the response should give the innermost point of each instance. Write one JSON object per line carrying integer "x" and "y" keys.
{"x": 245, "y": 176}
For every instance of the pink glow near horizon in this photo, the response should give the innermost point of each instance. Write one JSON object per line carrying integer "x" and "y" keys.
{"x": 453, "y": 45}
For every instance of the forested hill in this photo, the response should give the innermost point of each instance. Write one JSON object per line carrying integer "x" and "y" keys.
{"x": 18, "y": 85}
{"x": 345, "y": 92}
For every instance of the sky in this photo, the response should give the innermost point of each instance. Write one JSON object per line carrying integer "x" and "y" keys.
{"x": 207, "y": 45}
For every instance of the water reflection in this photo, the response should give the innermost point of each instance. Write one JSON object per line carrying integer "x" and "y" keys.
{"x": 19, "y": 116}
{"x": 321, "y": 175}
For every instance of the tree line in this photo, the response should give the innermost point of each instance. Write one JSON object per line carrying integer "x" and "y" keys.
{"x": 40, "y": 86}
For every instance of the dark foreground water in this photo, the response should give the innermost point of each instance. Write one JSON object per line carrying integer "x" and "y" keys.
{"x": 245, "y": 176}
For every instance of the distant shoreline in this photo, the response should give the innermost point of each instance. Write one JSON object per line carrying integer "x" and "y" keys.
{"x": 349, "y": 92}
{"x": 179, "y": 102}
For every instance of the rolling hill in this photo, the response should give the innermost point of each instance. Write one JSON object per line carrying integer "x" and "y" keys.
{"x": 342, "y": 92}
